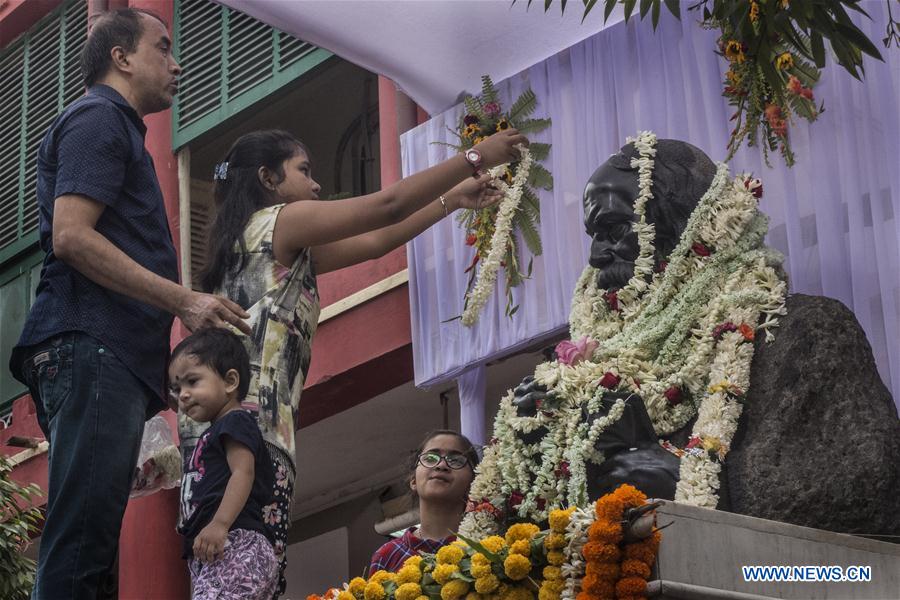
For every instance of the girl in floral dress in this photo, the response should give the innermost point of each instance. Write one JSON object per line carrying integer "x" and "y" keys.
{"x": 270, "y": 239}
{"x": 440, "y": 476}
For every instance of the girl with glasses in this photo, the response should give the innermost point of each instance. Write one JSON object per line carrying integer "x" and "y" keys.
{"x": 441, "y": 471}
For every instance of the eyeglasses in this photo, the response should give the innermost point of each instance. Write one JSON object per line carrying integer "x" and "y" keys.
{"x": 454, "y": 460}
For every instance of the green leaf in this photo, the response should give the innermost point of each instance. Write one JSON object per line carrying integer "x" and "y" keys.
{"x": 530, "y": 235}
{"x": 645, "y": 7}
{"x": 539, "y": 150}
{"x": 858, "y": 39}
{"x": 674, "y": 8}
{"x": 629, "y": 7}
{"x": 818, "y": 48}
{"x": 532, "y": 125}
{"x": 656, "y": 7}
{"x": 523, "y": 106}
{"x": 610, "y": 5}
{"x": 540, "y": 177}
{"x": 477, "y": 546}
{"x": 488, "y": 90}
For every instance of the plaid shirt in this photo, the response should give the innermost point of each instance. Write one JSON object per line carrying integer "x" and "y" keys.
{"x": 390, "y": 557}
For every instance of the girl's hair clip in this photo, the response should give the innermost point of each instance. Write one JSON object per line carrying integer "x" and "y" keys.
{"x": 220, "y": 173}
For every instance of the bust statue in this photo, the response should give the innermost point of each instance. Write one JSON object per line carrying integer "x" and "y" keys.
{"x": 669, "y": 321}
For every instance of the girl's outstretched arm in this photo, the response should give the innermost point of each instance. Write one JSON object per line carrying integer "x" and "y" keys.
{"x": 210, "y": 542}
{"x": 308, "y": 224}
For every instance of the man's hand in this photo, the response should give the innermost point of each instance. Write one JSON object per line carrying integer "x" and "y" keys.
{"x": 206, "y": 310}
{"x": 210, "y": 542}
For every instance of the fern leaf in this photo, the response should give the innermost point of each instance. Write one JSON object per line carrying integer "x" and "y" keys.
{"x": 540, "y": 177}
{"x": 522, "y": 107}
{"x": 532, "y": 125}
{"x": 474, "y": 107}
{"x": 530, "y": 204}
{"x": 530, "y": 234}
{"x": 488, "y": 91}
{"x": 539, "y": 151}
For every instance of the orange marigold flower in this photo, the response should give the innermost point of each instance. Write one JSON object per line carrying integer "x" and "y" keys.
{"x": 605, "y": 571}
{"x": 606, "y": 590}
{"x": 606, "y": 532}
{"x": 630, "y": 495}
{"x": 640, "y": 552}
{"x": 609, "y": 508}
{"x": 600, "y": 552}
{"x": 590, "y": 582}
{"x": 631, "y": 586}
{"x": 584, "y": 596}
{"x": 635, "y": 568}
{"x": 747, "y": 332}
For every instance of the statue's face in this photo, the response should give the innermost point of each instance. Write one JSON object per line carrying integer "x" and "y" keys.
{"x": 608, "y": 214}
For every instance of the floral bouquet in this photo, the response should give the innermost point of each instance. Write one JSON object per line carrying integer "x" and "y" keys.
{"x": 605, "y": 550}
{"x": 491, "y": 231}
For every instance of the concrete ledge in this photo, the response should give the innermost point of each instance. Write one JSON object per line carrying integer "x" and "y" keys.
{"x": 702, "y": 553}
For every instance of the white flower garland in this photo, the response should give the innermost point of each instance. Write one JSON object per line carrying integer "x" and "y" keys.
{"x": 689, "y": 328}
{"x": 477, "y": 297}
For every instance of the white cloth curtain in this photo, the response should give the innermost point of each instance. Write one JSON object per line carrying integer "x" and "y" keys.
{"x": 472, "y": 386}
{"x": 835, "y": 215}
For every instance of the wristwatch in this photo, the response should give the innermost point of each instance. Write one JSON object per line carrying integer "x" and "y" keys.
{"x": 473, "y": 157}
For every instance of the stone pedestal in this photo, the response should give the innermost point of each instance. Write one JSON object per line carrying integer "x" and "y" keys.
{"x": 703, "y": 552}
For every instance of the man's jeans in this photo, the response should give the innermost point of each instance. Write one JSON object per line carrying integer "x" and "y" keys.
{"x": 92, "y": 410}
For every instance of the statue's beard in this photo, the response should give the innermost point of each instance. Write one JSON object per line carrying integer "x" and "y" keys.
{"x": 615, "y": 275}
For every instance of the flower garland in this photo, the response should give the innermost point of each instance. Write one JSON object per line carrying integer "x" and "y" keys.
{"x": 500, "y": 240}
{"x": 494, "y": 232}
{"x": 555, "y": 564}
{"x": 614, "y": 569}
{"x": 681, "y": 339}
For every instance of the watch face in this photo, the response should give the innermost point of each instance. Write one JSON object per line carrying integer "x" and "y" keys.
{"x": 473, "y": 156}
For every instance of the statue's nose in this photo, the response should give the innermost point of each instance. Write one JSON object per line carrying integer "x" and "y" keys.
{"x": 601, "y": 254}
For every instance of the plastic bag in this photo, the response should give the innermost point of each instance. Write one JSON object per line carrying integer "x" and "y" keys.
{"x": 159, "y": 461}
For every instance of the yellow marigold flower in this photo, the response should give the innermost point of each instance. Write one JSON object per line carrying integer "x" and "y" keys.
{"x": 450, "y": 555}
{"x": 442, "y": 573}
{"x": 374, "y": 591}
{"x": 784, "y": 61}
{"x": 480, "y": 559}
{"x": 754, "y": 11}
{"x": 454, "y": 589}
{"x": 559, "y": 519}
{"x": 480, "y": 570}
{"x": 515, "y": 592}
{"x": 459, "y": 544}
{"x": 345, "y": 595}
{"x": 734, "y": 52}
{"x": 357, "y": 586}
{"x": 471, "y": 130}
{"x": 522, "y": 547}
{"x": 408, "y": 591}
{"x": 494, "y": 543}
{"x": 423, "y": 598}
{"x": 516, "y": 567}
{"x": 551, "y": 572}
{"x": 486, "y": 584}
{"x": 474, "y": 596}
{"x": 546, "y": 593}
{"x": 381, "y": 576}
{"x": 413, "y": 560}
{"x": 521, "y": 531}
{"x": 555, "y": 541}
{"x": 556, "y": 558}
{"x": 409, "y": 573}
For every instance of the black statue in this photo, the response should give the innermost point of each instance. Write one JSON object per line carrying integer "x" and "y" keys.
{"x": 818, "y": 442}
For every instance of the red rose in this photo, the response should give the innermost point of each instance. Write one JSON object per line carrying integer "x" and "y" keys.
{"x": 612, "y": 299}
{"x": 694, "y": 441}
{"x": 700, "y": 249}
{"x": 673, "y": 396}
{"x": 515, "y": 499}
{"x": 562, "y": 470}
{"x": 541, "y": 503}
{"x": 661, "y": 266}
{"x": 722, "y": 328}
{"x": 471, "y": 239}
{"x": 610, "y": 380}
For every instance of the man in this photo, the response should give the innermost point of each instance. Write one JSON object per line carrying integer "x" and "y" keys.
{"x": 94, "y": 347}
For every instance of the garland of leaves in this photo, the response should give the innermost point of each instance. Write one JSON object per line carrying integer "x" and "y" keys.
{"x": 485, "y": 116}
{"x": 776, "y": 51}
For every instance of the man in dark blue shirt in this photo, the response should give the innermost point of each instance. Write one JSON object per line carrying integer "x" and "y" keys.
{"x": 94, "y": 348}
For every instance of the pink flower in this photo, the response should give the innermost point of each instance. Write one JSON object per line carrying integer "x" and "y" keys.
{"x": 610, "y": 380}
{"x": 723, "y": 328}
{"x": 563, "y": 469}
{"x": 571, "y": 354}
{"x": 491, "y": 109}
{"x": 793, "y": 85}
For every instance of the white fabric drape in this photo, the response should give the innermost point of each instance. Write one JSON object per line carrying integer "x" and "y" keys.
{"x": 835, "y": 215}
{"x": 472, "y": 386}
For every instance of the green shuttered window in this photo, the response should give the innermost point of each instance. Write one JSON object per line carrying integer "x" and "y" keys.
{"x": 230, "y": 61}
